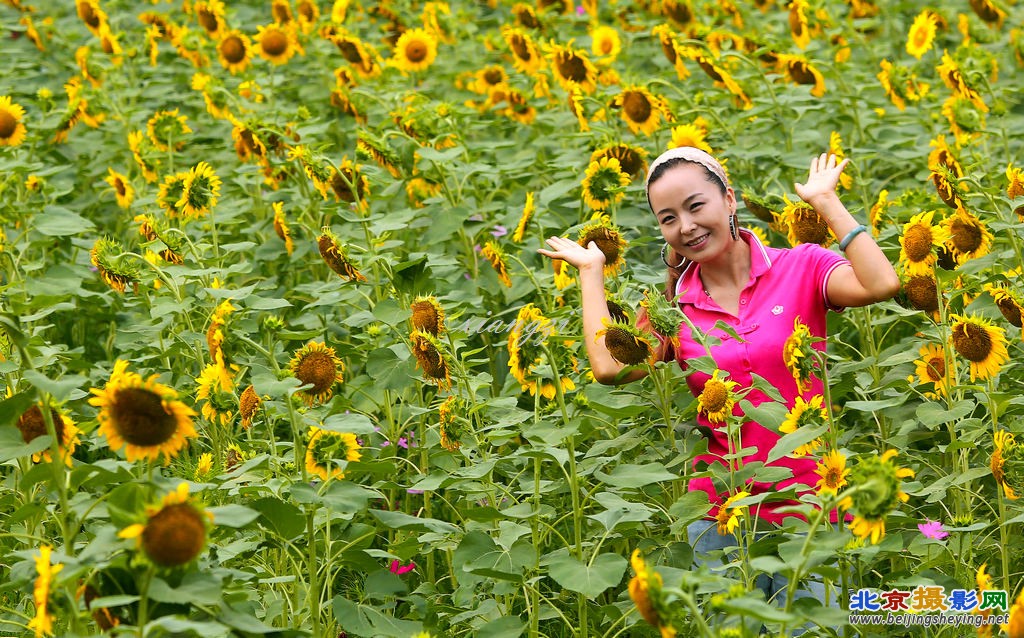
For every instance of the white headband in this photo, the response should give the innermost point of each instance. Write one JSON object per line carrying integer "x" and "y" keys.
{"x": 688, "y": 154}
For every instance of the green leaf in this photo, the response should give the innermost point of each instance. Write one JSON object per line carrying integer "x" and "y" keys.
{"x": 56, "y": 221}
{"x": 13, "y": 446}
{"x": 201, "y": 588}
{"x": 506, "y": 627}
{"x": 353, "y": 423}
{"x": 604, "y": 571}
{"x": 233, "y": 515}
{"x": 59, "y": 389}
{"x": 13, "y": 407}
{"x": 401, "y": 520}
{"x": 802, "y": 436}
{"x": 619, "y": 510}
{"x": 280, "y": 517}
{"x": 366, "y": 620}
{"x": 630, "y": 475}
{"x": 933, "y": 414}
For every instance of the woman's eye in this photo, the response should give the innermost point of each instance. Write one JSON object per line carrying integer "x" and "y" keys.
{"x": 696, "y": 205}
{"x": 666, "y": 219}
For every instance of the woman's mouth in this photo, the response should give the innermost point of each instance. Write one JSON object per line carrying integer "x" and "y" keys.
{"x": 698, "y": 242}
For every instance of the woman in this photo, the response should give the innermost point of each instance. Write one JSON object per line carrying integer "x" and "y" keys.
{"x": 720, "y": 272}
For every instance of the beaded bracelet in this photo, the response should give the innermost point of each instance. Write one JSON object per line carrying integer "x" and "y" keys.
{"x": 850, "y": 235}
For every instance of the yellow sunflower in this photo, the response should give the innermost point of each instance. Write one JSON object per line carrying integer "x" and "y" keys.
{"x": 797, "y": 354}
{"x": 336, "y": 257}
{"x": 627, "y": 344}
{"x": 916, "y": 243}
{"x": 804, "y": 225}
{"x": 277, "y": 43}
{"x": 200, "y": 189}
{"x": 572, "y": 68}
{"x": 248, "y": 403}
{"x": 140, "y": 148}
{"x": 798, "y": 23}
{"x": 678, "y": 11}
{"x": 495, "y": 254}
{"x": 604, "y": 184}
{"x": 32, "y": 425}
{"x": 122, "y": 188}
{"x": 632, "y": 159}
{"x": 526, "y": 56}
{"x": 415, "y": 50}
{"x": 449, "y": 426}
{"x": 316, "y": 365}
{"x": 922, "y": 292}
{"x": 968, "y": 236}
{"x": 728, "y": 516}
{"x": 609, "y": 239}
{"x": 952, "y": 76}
{"x": 326, "y": 448}
{"x": 641, "y": 110}
{"x": 42, "y": 623}
{"x": 174, "y": 532}
{"x": 901, "y": 85}
{"x": 432, "y": 358}
{"x": 690, "y": 135}
{"x": 981, "y": 342}
{"x": 358, "y": 54}
{"x": 879, "y": 480}
{"x": 1007, "y": 450}
{"x": 670, "y": 48}
{"x": 91, "y": 14}
{"x": 215, "y": 386}
{"x": 800, "y": 71}
{"x": 921, "y": 34}
{"x": 215, "y": 332}
{"x": 1009, "y": 302}
{"x": 143, "y": 416}
{"x": 805, "y": 413}
{"x": 281, "y": 228}
{"x": 716, "y": 400}
{"x": 526, "y": 352}
{"x": 282, "y": 11}
{"x": 645, "y": 592}
{"x": 835, "y": 147}
{"x": 167, "y": 129}
{"x": 235, "y": 51}
{"x": 116, "y": 269}
{"x": 12, "y": 129}
{"x": 427, "y": 315}
{"x": 350, "y": 185}
{"x": 605, "y": 43}
{"x": 418, "y": 190}
{"x": 992, "y": 14}
{"x": 833, "y": 472}
{"x": 529, "y": 208}
{"x": 877, "y": 213}
{"x": 210, "y": 15}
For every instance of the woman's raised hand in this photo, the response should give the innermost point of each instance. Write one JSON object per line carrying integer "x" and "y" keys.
{"x": 823, "y": 177}
{"x": 571, "y": 252}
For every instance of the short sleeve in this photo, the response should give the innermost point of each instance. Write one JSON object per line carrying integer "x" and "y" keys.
{"x": 818, "y": 264}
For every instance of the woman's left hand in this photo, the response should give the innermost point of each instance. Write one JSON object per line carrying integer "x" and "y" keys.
{"x": 822, "y": 180}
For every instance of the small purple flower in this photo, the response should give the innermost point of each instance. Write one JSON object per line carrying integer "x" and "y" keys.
{"x": 933, "y": 529}
{"x": 499, "y": 231}
{"x": 403, "y": 442}
{"x": 399, "y": 568}
{"x": 580, "y": 10}
{"x": 412, "y": 491}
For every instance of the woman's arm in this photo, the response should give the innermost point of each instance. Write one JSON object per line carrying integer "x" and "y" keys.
{"x": 590, "y": 263}
{"x": 871, "y": 277}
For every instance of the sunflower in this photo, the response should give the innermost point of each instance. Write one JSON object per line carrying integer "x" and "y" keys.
{"x": 281, "y": 228}
{"x": 122, "y": 188}
{"x": 526, "y": 352}
{"x": 805, "y": 225}
{"x": 277, "y": 43}
{"x": 665, "y": 316}
{"x": 716, "y": 400}
{"x": 308, "y": 13}
{"x": 1015, "y": 186}
{"x": 572, "y": 68}
{"x": 415, "y": 50}
{"x": 877, "y": 212}
{"x": 835, "y": 147}
{"x": 215, "y": 332}
{"x": 31, "y": 32}
{"x": 562, "y": 274}
{"x": 32, "y": 425}
{"x": 418, "y": 190}
{"x": 316, "y": 365}
{"x": 921, "y": 34}
{"x": 526, "y": 56}
{"x": 495, "y": 254}
{"x": 797, "y": 354}
{"x": 604, "y": 184}
{"x": 357, "y": 53}
{"x": 605, "y": 43}
{"x": 946, "y": 173}
{"x": 139, "y": 146}
{"x": 487, "y": 79}
{"x": 669, "y": 47}
{"x": 619, "y": 310}
{"x": 800, "y": 71}
{"x": 919, "y": 236}
{"x": 992, "y": 14}
{"x": 529, "y": 208}
{"x": 626, "y": 344}
{"x": 248, "y": 403}
{"x": 336, "y": 257}
{"x": 922, "y": 292}
{"x": 798, "y": 23}
{"x": 91, "y": 14}
{"x": 1007, "y": 450}
{"x": 216, "y": 386}
{"x": 728, "y": 516}
{"x": 609, "y": 239}
{"x": 377, "y": 149}
{"x": 641, "y": 110}
{"x": 966, "y": 122}
{"x": 931, "y": 368}
{"x": 1009, "y": 302}
{"x": 175, "y": 530}
{"x": 805, "y": 413}
{"x": 42, "y": 623}
{"x": 12, "y": 129}
{"x": 901, "y": 85}
{"x": 645, "y": 591}
{"x": 143, "y": 416}
{"x": 200, "y": 189}
{"x": 833, "y": 472}
{"x": 690, "y": 135}
{"x": 427, "y": 315}
{"x": 880, "y": 493}
{"x": 350, "y": 185}
{"x": 118, "y": 271}
{"x": 282, "y": 11}
{"x": 954, "y": 79}
{"x": 210, "y": 16}
{"x": 968, "y": 236}
{"x": 448, "y": 425}
{"x": 431, "y": 358}
{"x": 166, "y": 129}
{"x": 235, "y": 51}
{"x": 981, "y": 342}
{"x": 632, "y": 159}
{"x": 326, "y": 448}
{"x": 171, "y": 192}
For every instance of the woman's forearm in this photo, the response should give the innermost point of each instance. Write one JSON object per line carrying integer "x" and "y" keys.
{"x": 595, "y": 317}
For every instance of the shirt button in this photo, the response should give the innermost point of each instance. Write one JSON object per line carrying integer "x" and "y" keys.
{"x": 743, "y": 301}
{"x": 754, "y": 326}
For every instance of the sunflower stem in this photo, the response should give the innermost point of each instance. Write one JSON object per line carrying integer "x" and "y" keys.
{"x": 143, "y": 619}
{"x": 313, "y": 596}
{"x": 59, "y": 471}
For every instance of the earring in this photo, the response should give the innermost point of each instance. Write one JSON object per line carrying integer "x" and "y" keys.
{"x": 665, "y": 261}
{"x": 732, "y": 228}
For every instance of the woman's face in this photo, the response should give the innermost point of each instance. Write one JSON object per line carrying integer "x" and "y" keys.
{"x": 692, "y": 213}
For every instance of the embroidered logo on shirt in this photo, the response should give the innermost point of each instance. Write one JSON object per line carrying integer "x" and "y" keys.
{"x": 777, "y": 310}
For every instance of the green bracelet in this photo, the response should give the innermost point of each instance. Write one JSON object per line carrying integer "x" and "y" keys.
{"x": 850, "y": 235}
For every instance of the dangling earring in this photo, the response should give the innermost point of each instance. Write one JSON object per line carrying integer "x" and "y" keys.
{"x": 732, "y": 228}
{"x": 665, "y": 261}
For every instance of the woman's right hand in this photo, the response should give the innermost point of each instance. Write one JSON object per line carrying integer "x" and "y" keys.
{"x": 572, "y": 253}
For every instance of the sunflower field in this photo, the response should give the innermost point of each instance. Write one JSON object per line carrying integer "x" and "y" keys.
{"x": 280, "y": 357}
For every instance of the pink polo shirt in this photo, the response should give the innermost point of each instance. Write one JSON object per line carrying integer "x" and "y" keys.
{"x": 785, "y": 283}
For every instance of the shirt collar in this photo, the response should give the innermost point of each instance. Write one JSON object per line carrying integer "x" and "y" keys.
{"x": 689, "y": 287}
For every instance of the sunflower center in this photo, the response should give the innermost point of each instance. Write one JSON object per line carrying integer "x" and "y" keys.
{"x": 801, "y": 72}
{"x": 208, "y": 20}
{"x": 425, "y": 318}
{"x": 1011, "y": 311}
{"x": 922, "y": 293}
{"x": 936, "y": 369}
{"x": 492, "y": 76}
{"x": 140, "y": 417}
{"x": 317, "y": 368}
{"x": 274, "y": 42}
{"x": 985, "y": 10}
{"x": 571, "y": 68}
{"x": 88, "y": 16}
{"x": 917, "y": 242}
{"x": 966, "y": 236}
{"x": 625, "y": 348}
{"x": 174, "y": 535}
{"x": 233, "y": 49}
{"x": 833, "y": 477}
{"x": 107, "y": 44}
{"x": 606, "y": 46}
{"x": 680, "y": 12}
{"x": 972, "y": 341}
{"x": 120, "y": 187}
{"x": 629, "y": 160}
{"x": 306, "y": 11}
{"x": 709, "y": 69}
{"x": 637, "y": 107}
{"x": 810, "y": 228}
{"x": 920, "y": 37}
{"x": 8, "y": 124}
{"x": 430, "y": 360}
{"x": 350, "y": 51}
{"x": 32, "y": 425}
{"x": 715, "y": 396}
{"x": 416, "y": 51}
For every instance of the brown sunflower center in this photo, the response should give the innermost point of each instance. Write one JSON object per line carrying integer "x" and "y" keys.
{"x": 492, "y": 76}
{"x": 8, "y": 124}
{"x": 430, "y": 360}
{"x": 922, "y": 293}
{"x": 424, "y": 317}
{"x": 282, "y": 13}
{"x": 32, "y": 425}
{"x": 416, "y": 51}
{"x": 350, "y": 51}
{"x": 920, "y": 37}
{"x": 571, "y": 67}
{"x": 715, "y": 396}
{"x": 607, "y": 242}
{"x": 801, "y": 72}
{"x": 637, "y": 106}
{"x": 1010, "y": 309}
{"x": 341, "y": 187}
{"x": 318, "y": 369}
{"x": 833, "y": 477}
{"x": 985, "y": 10}
{"x": 208, "y": 20}
{"x": 972, "y": 341}
{"x": 88, "y": 15}
{"x": 966, "y": 236}
{"x": 606, "y": 46}
{"x": 917, "y": 242}
{"x": 274, "y": 42}
{"x": 527, "y": 18}
{"x": 810, "y": 228}
{"x": 679, "y": 11}
{"x": 233, "y": 49}
{"x": 248, "y": 403}
{"x": 306, "y": 11}
{"x": 140, "y": 417}
{"x": 669, "y": 50}
{"x": 107, "y": 44}
{"x": 119, "y": 186}
{"x": 936, "y": 369}
{"x": 629, "y": 160}
{"x": 709, "y": 68}
{"x": 625, "y": 348}
{"x": 174, "y": 535}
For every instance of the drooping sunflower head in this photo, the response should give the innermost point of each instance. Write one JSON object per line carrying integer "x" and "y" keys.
{"x": 981, "y": 342}
{"x": 931, "y": 368}
{"x": 833, "y": 472}
{"x": 641, "y": 110}
{"x": 248, "y": 404}
{"x": 215, "y": 387}
{"x": 12, "y": 128}
{"x": 495, "y": 255}
{"x": 805, "y": 225}
{"x": 277, "y": 43}
{"x": 879, "y": 483}
{"x": 666, "y": 318}
{"x": 316, "y": 365}
{"x": 992, "y": 14}
{"x": 91, "y": 14}
{"x": 526, "y": 56}
{"x": 918, "y": 239}
{"x": 604, "y": 184}
{"x": 1007, "y": 464}
{"x": 450, "y": 419}
{"x": 235, "y": 51}
{"x": 529, "y": 209}
{"x": 800, "y": 71}
{"x": 632, "y": 159}
{"x": 115, "y": 268}
{"x": 143, "y": 416}
{"x": 797, "y": 354}
{"x": 349, "y": 184}
{"x": 922, "y": 292}
{"x": 798, "y": 23}
{"x": 374, "y": 147}
{"x": 281, "y": 228}
{"x": 968, "y": 237}
{"x": 573, "y": 68}
{"x": 645, "y": 591}
{"x": 667, "y": 39}
{"x": 216, "y": 332}
{"x": 200, "y": 191}
{"x": 1009, "y": 302}
{"x": 717, "y": 399}
{"x": 526, "y": 16}
{"x": 362, "y": 58}
{"x": 42, "y": 623}
{"x": 172, "y": 190}
{"x": 415, "y": 50}
{"x": 166, "y": 129}
{"x": 174, "y": 532}
{"x": 921, "y": 34}
{"x": 336, "y": 257}
{"x": 427, "y": 315}
{"x": 432, "y": 358}
{"x": 627, "y": 344}
{"x": 32, "y": 425}
{"x": 805, "y": 413}
{"x": 326, "y": 448}
{"x": 123, "y": 190}
{"x": 609, "y": 240}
